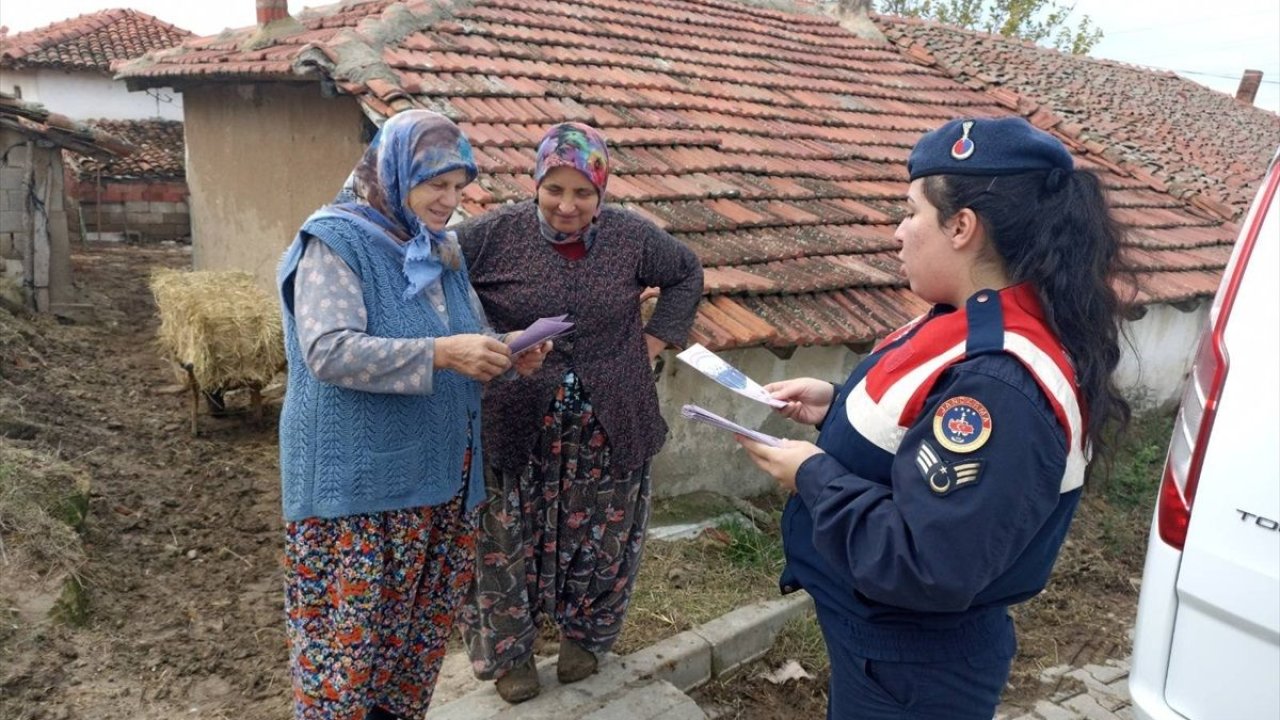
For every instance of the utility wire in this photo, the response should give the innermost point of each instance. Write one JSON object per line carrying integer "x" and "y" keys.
{"x": 1224, "y": 77}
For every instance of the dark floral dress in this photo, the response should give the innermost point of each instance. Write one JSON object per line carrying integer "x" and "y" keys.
{"x": 575, "y": 563}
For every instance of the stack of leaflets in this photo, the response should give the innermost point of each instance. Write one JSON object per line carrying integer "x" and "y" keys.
{"x": 697, "y": 414}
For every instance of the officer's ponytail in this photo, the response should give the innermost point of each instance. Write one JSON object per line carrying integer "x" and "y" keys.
{"x": 1054, "y": 230}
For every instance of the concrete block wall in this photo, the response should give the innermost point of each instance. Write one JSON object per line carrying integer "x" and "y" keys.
{"x": 150, "y": 210}
{"x": 52, "y": 269}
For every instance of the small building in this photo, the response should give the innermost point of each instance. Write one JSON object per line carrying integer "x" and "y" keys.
{"x": 34, "y": 242}
{"x": 770, "y": 140}
{"x": 139, "y": 197}
{"x": 67, "y": 65}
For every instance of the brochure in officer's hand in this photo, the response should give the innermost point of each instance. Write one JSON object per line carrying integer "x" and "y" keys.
{"x": 697, "y": 414}
{"x": 711, "y": 365}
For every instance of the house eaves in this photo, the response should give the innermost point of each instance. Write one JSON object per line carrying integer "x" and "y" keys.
{"x": 773, "y": 142}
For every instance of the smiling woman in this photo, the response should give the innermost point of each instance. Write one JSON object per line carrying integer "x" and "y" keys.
{"x": 434, "y": 201}
{"x": 567, "y": 200}
{"x": 387, "y": 347}
{"x": 573, "y": 441}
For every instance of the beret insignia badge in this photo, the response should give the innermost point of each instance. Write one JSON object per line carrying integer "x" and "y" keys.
{"x": 964, "y": 147}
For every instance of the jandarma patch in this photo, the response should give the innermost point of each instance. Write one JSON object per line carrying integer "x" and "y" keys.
{"x": 962, "y": 424}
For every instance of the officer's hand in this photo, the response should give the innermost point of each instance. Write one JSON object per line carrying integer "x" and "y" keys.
{"x": 479, "y": 357}
{"x": 808, "y": 399}
{"x": 781, "y": 463}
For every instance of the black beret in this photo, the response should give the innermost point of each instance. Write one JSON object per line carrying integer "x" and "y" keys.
{"x": 987, "y": 146}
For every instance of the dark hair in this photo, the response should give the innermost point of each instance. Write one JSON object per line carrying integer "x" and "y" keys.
{"x": 1054, "y": 230}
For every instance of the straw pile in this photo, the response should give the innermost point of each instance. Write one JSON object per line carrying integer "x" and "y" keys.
{"x": 221, "y": 323}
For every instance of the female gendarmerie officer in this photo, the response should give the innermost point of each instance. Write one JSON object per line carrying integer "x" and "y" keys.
{"x": 950, "y": 463}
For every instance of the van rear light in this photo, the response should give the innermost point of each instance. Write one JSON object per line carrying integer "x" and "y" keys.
{"x": 1204, "y": 387}
{"x": 1190, "y": 435}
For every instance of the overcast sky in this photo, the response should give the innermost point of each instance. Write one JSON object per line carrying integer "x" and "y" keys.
{"x": 1209, "y": 42}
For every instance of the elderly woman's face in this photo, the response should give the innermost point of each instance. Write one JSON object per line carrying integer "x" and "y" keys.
{"x": 435, "y": 200}
{"x": 567, "y": 199}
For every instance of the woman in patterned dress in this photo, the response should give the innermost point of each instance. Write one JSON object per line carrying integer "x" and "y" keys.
{"x": 387, "y": 348}
{"x": 568, "y": 448}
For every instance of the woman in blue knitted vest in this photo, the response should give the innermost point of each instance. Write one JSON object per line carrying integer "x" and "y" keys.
{"x": 379, "y": 455}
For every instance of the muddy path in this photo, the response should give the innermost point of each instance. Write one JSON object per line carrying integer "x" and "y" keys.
{"x": 183, "y": 536}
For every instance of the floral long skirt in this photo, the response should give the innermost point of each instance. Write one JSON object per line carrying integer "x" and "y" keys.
{"x": 370, "y": 602}
{"x": 560, "y": 540}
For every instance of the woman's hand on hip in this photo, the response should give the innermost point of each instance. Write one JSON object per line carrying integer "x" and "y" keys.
{"x": 808, "y": 399}
{"x": 781, "y": 463}
{"x": 479, "y": 357}
{"x": 655, "y": 345}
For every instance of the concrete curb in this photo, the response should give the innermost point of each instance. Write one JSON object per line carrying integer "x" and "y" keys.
{"x": 720, "y": 646}
{"x": 660, "y": 673}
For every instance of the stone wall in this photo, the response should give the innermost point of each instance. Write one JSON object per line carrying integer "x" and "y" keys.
{"x": 146, "y": 210}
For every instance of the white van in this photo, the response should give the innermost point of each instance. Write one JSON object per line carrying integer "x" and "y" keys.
{"x": 1207, "y": 642}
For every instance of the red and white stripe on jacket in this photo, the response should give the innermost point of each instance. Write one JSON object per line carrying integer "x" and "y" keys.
{"x": 890, "y": 398}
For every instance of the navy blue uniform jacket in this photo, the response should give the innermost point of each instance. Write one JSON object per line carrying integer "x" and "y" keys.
{"x": 952, "y": 466}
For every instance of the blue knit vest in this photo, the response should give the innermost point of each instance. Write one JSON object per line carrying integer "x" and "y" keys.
{"x": 347, "y": 452}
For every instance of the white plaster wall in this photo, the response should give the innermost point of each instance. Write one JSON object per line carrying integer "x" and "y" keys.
{"x": 1164, "y": 340}
{"x": 697, "y": 457}
{"x": 86, "y": 95}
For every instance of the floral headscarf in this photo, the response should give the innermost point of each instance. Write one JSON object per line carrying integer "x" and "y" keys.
{"x": 582, "y": 148}
{"x": 410, "y": 148}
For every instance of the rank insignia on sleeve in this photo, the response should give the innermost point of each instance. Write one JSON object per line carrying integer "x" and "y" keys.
{"x": 962, "y": 424}
{"x": 945, "y": 477}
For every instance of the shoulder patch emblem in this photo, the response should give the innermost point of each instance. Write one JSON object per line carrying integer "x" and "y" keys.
{"x": 945, "y": 477}
{"x": 962, "y": 424}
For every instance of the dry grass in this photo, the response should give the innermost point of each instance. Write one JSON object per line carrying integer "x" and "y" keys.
{"x": 222, "y": 324}
{"x": 43, "y": 502}
{"x": 685, "y": 583}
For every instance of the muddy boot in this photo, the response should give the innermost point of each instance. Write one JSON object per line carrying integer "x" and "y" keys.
{"x": 575, "y": 663}
{"x": 521, "y": 683}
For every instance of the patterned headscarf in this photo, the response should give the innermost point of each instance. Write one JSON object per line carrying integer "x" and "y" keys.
{"x": 582, "y": 148}
{"x": 410, "y": 148}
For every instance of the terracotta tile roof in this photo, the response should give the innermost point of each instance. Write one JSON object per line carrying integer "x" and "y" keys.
{"x": 772, "y": 143}
{"x": 1196, "y": 139}
{"x": 37, "y": 123}
{"x": 89, "y": 42}
{"x": 159, "y": 153}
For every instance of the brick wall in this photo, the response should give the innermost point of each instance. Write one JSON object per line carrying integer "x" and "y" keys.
{"x": 152, "y": 210}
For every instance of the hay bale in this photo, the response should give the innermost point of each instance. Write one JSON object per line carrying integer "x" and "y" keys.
{"x": 222, "y": 324}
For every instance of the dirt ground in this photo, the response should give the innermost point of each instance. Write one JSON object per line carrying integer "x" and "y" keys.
{"x": 183, "y": 540}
